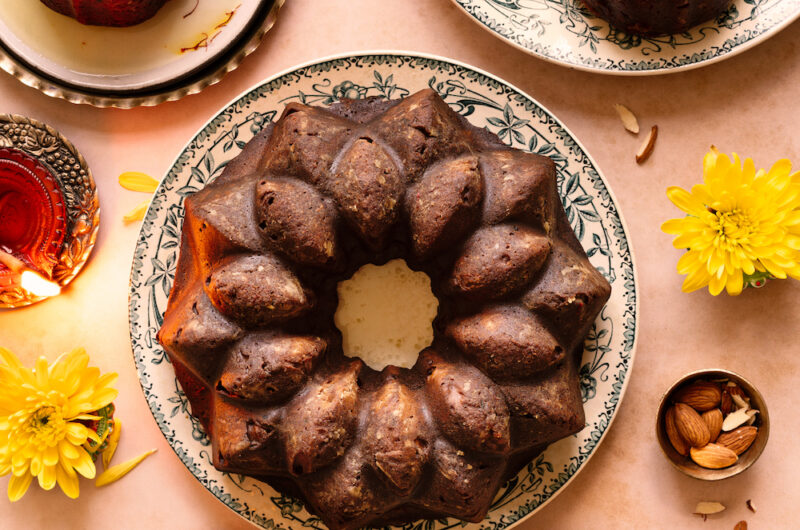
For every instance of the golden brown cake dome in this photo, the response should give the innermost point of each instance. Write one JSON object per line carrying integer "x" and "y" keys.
{"x": 250, "y": 321}
{"x": 656, "y": 17}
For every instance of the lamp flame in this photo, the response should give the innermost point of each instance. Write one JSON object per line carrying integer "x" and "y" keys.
{"x": 38, "y": 285}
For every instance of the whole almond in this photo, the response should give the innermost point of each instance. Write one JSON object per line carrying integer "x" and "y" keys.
{"x": 700, "y": 395}
{"x": 741, "y": 525}
{"x": 691, "y": 426}
{"x": 713, "y": 456}
{"x": 726, "y": 403}
{"x": 713, "y": 419}
{"x": 675, "y": 438}
{"x": 738, "y": 440}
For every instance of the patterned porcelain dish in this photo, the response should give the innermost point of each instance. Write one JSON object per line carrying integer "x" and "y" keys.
{"x": 486, "y": 101}
{"x": 186, "y": 46}
{"x": 565, "y": 32}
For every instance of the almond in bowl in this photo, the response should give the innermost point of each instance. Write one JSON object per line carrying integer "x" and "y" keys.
{"x": 712, "y": 424}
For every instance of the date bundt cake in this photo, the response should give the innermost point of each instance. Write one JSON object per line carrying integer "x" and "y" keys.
{"x": 107, "y": 12}
{"x": 656, "y": 17}
{"x": 250, "y": 321}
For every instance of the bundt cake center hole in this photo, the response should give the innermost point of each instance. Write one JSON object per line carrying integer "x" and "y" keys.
{"x": 386, "y": 314}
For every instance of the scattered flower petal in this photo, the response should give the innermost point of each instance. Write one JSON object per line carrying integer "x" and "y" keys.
{"x": 137, "y": 214}
{"x": 113, "y": 441}
{"x": 136, "y": 181}
{"x": 118, "y": 471}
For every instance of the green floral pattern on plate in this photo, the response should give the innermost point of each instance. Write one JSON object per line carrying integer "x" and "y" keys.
{"x": 486, "y": 101}
{"x": 566, "y": 32}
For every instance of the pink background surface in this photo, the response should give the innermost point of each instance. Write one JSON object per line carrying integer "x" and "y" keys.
{"x": 747, "y": 104}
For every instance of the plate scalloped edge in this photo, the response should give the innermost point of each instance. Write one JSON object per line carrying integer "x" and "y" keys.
{"x": 587, "y": 32}
{"x": 541, "y": 480}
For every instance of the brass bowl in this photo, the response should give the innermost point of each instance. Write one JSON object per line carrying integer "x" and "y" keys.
{"x": 683, "y": 463}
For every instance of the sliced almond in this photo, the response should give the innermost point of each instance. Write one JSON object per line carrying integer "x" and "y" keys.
{"x": 752, "y": 413}
{"x": 647, "y": 147}
{"x": 708, "y": 508}
{"x": 628, "y": 118}
{"x": 735, "y": 419}
{"x": 739, "y": 401}
{"x": 751, "y": 506}
{"x": 735, "y": 389}
{"x": 713, "y": 456}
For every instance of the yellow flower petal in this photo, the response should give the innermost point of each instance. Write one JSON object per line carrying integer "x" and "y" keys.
{"x": 710, "y": 160}
{"x": 11, "y": 360}
{"x": 103, "y": 398}
{"x": 695, "y": 280}
{"x": 715, "y": 285}
{"x": 688, "y": 262}
{"x": 780, "y": 168}
{"x": 120, "y": 470}
{"x": 36, "y": 464}
{"x": 137, "y": 214}
{"x": 735, "y": 283}
{"x": 106, "y": 380}
{"x": 42, "y": 373}
{"x": 113, "y": 441}
{"x": 136, "y": 181}
{"x": 84, "y": 464}
{"x": 685, "y": 201}
{"x": 50, "y": 456}
{"x": 47, "y": 478}
{"x": 67, "y": 450}
{"x": 68, "y": 482}
{"x": 19, "y": 464}
{"x": 76, "y": 433}
{"x": 17, "y": 486}
{"x": 89, "y": 417}
{"x": 679, "y": 226}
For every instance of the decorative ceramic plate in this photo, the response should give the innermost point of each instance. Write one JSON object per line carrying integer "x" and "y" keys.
{"x": 186, "y": 46}
{"x": 565, "y": 32}
{"x": 486, "y": 101}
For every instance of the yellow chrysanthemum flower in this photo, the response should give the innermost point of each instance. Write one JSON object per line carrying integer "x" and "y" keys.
{"x": 41, "y": 409}
{"x": 742, "y": 225}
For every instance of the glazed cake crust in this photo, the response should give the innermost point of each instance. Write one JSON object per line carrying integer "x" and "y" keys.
{"x": 249, "y": 324}
{"x": 656, "y": 17}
